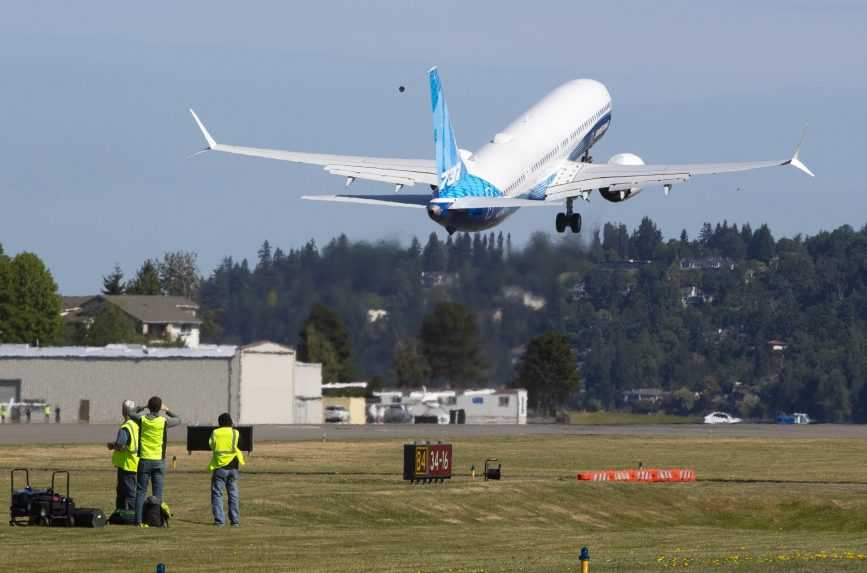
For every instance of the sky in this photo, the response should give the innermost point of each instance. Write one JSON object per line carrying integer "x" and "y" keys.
{"x": 95, "y": 132}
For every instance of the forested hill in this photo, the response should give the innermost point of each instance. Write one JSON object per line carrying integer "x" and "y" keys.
{"x": 732, "y": 319}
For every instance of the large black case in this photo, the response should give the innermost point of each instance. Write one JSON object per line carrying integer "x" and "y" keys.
{"x": 88, "y": 517}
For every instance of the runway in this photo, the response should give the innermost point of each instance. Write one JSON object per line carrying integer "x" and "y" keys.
{"x": 40, "y": 433}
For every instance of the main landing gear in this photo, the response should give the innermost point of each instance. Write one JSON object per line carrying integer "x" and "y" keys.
{"x": 568, "y": 219}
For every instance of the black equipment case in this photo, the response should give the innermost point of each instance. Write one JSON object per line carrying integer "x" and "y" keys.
{"x": 40, "y": 506}
{"x": 88, "y": 517}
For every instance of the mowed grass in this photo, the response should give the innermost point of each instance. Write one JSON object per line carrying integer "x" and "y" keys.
{"x": 759, "y": 505}
{"x": 628, "y": 419}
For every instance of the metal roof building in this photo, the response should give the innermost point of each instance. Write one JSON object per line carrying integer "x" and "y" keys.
{"x": 254, "y": 383}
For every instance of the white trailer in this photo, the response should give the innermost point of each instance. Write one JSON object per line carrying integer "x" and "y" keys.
{"x": 493, "y": 406}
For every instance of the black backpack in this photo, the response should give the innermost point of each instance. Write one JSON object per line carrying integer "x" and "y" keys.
{"x": 154, "y": 513}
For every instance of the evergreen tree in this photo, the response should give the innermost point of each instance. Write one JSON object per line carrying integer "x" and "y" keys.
{"x": 264, "y": 253}
{"x": 411, "y": 369}
{"x": 646, "y": 239}
{"x": 434, "y": 255}
{"x": 146, "y": 280}
{"x": 548, "y": 371}
{"x": 327, "y": 325}
{"x": 761, "y": 246}
{"x": 450, "y": 342}
{"x": 318, "y": 348}
{"x": 113, "y": 283}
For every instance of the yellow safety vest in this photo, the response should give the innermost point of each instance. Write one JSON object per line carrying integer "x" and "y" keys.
{"x": 224, "y": 442}
{"x": 152, "y": 439}
{"x": 47, "y": 410}
{"x": 127, "y": 460}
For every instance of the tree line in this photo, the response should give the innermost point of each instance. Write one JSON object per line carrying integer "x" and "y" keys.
{"x": 733, "y": 319}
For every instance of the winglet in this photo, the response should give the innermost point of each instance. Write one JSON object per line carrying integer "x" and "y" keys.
{"x": 211, "y": 143}
{"x": 796, "y": 162}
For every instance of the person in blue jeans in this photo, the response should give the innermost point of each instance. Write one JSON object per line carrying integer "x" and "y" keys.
{"x": 225, "y": 463}
{"x": 153, "y": 423}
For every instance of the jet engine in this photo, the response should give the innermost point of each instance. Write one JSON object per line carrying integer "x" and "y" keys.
{"x": 617, "y": 193}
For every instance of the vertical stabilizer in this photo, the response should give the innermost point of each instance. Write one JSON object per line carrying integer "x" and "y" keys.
{"x": 450, "y": 168}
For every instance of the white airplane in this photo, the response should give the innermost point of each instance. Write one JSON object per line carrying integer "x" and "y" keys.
{"x": 541, "y": 159}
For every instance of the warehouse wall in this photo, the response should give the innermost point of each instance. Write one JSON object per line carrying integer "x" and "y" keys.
{"x": 196, "y": 388}
{"x": 267, "y": 387}
{"x": 308, "y": 393}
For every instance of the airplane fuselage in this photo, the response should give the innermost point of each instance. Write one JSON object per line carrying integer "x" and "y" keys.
{"x": 525, "y": 158}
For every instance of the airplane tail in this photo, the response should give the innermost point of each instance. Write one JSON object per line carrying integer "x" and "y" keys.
{"x": 450, "y": 168}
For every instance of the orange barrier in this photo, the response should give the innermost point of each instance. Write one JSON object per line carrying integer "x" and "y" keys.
{"x": 654, "y": 475}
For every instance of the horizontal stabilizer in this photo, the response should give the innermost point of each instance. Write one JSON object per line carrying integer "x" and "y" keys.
{"x": 496, "y": 202}
{"x": 394, "y": 200}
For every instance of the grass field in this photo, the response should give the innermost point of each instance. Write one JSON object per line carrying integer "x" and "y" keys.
{"x": 629, "y": 419}
{"x": 760, "y": 505}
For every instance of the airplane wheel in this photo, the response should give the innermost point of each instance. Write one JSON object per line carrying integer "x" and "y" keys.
{"x": 575, "y": 222}
{"x": 560, "y": 222}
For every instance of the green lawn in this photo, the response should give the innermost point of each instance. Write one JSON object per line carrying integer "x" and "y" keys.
{"x": 627, "y": 418}
{"x": 760, "y": 505}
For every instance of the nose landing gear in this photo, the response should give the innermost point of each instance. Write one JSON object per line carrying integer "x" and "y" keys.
{"x": 568, "y": 219}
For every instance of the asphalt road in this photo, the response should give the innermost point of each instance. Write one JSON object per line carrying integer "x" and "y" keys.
{"x": 39, "y": 433}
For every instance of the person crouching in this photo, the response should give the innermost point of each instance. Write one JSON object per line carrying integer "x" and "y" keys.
{"x": 225, "y": 462}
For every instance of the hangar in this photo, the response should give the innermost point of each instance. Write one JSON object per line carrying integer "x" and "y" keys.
{"x": 255, "y": 383}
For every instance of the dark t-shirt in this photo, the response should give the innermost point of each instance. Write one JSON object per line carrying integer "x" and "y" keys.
{"x": 233, "y": 465}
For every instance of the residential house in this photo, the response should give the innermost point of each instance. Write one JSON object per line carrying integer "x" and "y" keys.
{"x": 157, "y": 317}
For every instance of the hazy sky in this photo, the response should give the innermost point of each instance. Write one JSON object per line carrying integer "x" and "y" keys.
{"x": 94, "y": 128}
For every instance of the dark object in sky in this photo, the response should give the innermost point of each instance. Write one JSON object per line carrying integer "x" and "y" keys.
{"x": 401, "y": 89}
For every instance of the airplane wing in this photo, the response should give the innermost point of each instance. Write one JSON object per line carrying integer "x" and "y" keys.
{"x": 395, "y": 171}
{"x": 589, "y": 176}
{"x": 394, "y": 200}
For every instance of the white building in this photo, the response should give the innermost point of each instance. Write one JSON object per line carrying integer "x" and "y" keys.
{"x": 259, "y": 383}
{"x": 308, "y": 393}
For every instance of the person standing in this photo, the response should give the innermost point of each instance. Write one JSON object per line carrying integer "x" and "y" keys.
{"x": 57, "y": 415}
{"x": 153, "y": 422}
{"x": 2, "y": 413}
{"x": 27, "y": 413}
{"x": 225, "y": 463}
{"x": 47, "y": 411}
{"x": 125, "y": 458}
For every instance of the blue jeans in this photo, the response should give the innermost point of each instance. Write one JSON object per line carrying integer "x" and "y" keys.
{"x": 229, "y": 479}
{"x": 148, "y": 470}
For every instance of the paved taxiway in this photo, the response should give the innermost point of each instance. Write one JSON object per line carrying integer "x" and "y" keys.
{"x": 39, "y": 433}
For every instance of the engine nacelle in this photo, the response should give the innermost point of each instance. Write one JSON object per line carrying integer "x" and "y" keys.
{"x": 616, "y": 193}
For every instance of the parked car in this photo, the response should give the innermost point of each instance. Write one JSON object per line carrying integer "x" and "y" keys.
{"x": 796, "y": 418}
{"x": 721, "y": 418}
{"x": 336, "y": 415}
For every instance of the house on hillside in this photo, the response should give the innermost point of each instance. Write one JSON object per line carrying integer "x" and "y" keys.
{"x": 694, "y": 295}
{"x": 157, "y": 317}
{"x": 707, "y": 263}
{"x": 652, "y": 395}
{"x": 525, "y": 297}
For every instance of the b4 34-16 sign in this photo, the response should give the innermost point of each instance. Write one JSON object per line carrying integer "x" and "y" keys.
{"x": 427, "y": 462}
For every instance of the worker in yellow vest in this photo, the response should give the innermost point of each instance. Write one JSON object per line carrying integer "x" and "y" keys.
{"x": 46, "y": 411}
{"x": 124, "y": 456}
{"x": 153, "y": 422}
{"x": 225, "y": 462}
